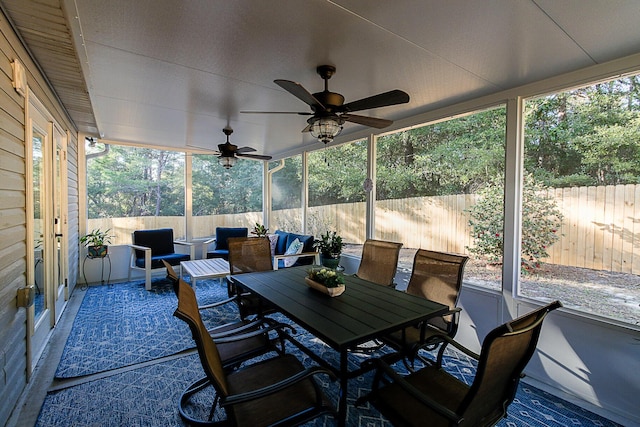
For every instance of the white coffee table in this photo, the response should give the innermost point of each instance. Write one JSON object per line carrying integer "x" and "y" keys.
{"x": 205, "y": 269}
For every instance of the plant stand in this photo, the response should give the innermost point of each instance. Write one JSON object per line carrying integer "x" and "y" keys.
{"x": 102, "y": 258}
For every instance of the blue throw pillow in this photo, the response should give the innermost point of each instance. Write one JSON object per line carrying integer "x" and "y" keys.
{"x": 281, "y": 245}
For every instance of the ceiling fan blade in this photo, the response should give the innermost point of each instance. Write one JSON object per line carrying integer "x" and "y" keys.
{"x": 307, "y": 129}
{"x": 278, "y": 112}
{"x": 367, "y": 121}
{"x": 297, "y": 90}
{"x": 392, "y": 97}
{"x": 254, "y": 156}
{"x": 245, "y": 150}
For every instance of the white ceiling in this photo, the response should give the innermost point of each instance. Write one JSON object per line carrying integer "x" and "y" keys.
{"x": 174, "y": 73}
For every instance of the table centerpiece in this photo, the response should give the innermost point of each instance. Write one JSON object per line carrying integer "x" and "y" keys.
{"x": 325, "y": 280}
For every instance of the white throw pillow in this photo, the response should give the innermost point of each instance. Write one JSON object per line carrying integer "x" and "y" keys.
{"x": 273, "y": 241}
{"x": 294, "y": 248}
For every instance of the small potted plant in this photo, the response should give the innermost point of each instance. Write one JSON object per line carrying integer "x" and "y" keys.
{"x": 325, "y": 280}
{"x": 259, "y": 230}
{"x": 330, "y": 245}
{"x": 97, "y": 243}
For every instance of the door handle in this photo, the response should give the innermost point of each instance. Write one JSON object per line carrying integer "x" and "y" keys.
{"x": 58, "y": 235}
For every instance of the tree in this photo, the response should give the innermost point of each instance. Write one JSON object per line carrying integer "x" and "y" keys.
{"x": 131, "y": 181}
{"x": 541, "y": 220}
{"x": 451, "y": 157}
{"x": 217, "y": 190}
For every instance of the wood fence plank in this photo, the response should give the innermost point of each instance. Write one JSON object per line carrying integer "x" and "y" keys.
{"x": 635, "y": 259}
{"x": 627, "y": 228}
{"x": 590, "y": 211}
{"x": 598, "y": 221}
{"x": 618, "y": 228}
{"x": 608, "y": 227}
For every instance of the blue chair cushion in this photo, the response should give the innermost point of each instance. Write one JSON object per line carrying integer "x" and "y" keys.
{"x": 156, "y": 261}
{"x": 223, "y": 233}
{"x": 222, "y": 245}
{"x": 281, "y": 246}
{"x": 160, "y": 241}
{"x": 218, "y": 253}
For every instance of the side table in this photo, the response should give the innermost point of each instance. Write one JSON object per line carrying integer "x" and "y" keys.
{"x": 86, "y": 284}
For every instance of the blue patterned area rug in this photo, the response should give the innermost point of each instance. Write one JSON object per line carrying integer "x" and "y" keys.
{"x": 123, "y": 324}
{"x": 148, "y": 394}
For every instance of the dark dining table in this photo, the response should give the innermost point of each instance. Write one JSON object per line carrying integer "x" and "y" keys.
{"x": 364, "y": 312}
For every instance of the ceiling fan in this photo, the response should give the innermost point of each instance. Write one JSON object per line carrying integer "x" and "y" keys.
{"x": 230, "y": 152}
{"x": 328, "y": 110}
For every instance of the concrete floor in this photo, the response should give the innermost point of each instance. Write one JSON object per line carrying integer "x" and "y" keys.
{"x": 27, "y": 409}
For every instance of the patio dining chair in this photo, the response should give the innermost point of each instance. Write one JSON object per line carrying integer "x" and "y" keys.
{"x": 379, "y": 261}
{"x": 435, "y": 395}
{"x": 247, "y": 255}
{"x": 242, "y": 326}
{"x": 275, "y": 390}
{"x": 436, "y": 276}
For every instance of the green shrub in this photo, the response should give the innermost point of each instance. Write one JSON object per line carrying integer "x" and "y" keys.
{"x": 541, "y": 221}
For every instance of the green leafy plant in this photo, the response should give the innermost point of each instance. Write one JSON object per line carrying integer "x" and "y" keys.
{"x": 97, "y": 237}
{"x": 541, "y": 220}
{"x": 326, "y": 276}
{"x": 259, "y": 230}
{"x": 329, "y": 244}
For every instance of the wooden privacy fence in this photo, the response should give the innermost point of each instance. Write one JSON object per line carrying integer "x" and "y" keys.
{"x": 598, "y": 232}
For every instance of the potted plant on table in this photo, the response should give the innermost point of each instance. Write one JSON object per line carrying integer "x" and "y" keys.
{"x": 330, "y": 245}
{"x": 260, "y": 230}
{"x": 325, "y": 280}
{"x": 97, "y": 243}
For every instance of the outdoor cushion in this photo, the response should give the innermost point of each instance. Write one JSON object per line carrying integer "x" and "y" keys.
{"x": 306, "y": 240}
{"x": 284, "y": 242}
{"x": 222, "y": 235}
{"x": 294, "y": 248}
{"x": 273, "y": 241}
{"x": 160, "y": 241}
{"x": 281, "y": 245}
{"x": 156, "y": 260}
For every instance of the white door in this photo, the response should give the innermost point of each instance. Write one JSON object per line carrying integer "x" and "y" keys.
{"x": 46, "y": 226}
{"x": 60, "y": 243}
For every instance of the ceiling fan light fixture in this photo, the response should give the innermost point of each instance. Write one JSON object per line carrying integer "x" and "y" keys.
{"x": 324, "y": 129}
{"x": 227, "y": 161}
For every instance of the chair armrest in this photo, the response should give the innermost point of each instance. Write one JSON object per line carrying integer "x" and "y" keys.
{"x": 139, "y": 248}
{"x": 274, "y": 388}
{"x": 256, "y": 323}
{"x": 300, "y": 255}
{"x": 147, "y": 258}
{"x": 235, "y": 334}
{"x": 218, "y": 303}
{"x": 191, "y": 245}
{"x": 414, "y": 392}
{"x": 457, "y": 345}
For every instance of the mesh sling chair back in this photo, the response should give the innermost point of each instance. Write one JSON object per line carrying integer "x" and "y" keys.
{"x": 260, "y": 394}
{"x": 434, "y": 395}
{"x": 247, "y": 255}
{"x": 379, "y": 261}
{"x": 436, "y": 276}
